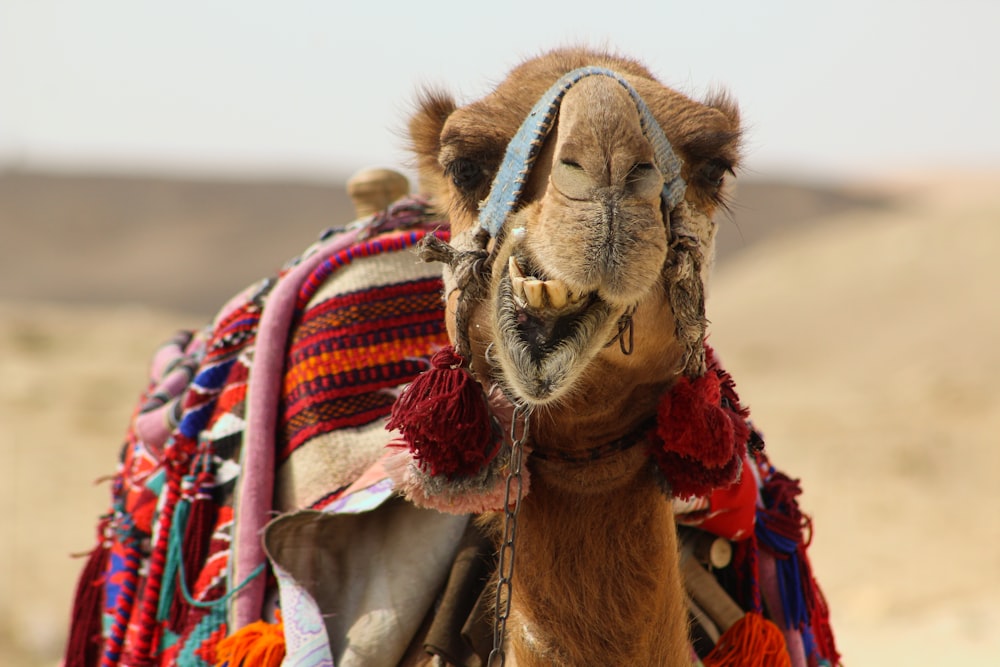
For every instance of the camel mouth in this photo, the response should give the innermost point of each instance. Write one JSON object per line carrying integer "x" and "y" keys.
{"x": 546, "y": 311}
{"x": 548, "y": 334}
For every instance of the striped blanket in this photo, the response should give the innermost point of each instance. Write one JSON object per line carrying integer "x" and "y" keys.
{"x": 286, "y": 390}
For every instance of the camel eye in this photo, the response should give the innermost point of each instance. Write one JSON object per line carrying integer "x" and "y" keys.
{"x": 465, "y": 174}
{"x": 714, "y": 172}
{"x": 572, "y": 164}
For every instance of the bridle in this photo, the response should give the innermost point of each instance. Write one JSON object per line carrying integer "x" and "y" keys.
{"x": 524, "y": 147}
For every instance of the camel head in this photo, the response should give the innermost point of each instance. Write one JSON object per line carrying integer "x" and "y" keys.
{"x": 583, "y": 300}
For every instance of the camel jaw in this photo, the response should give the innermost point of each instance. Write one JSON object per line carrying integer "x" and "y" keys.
{"x": 546, "y": 334}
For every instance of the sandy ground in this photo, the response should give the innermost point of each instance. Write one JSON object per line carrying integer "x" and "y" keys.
{"x": 864, "y": 343}
{"x": 70, "y": 378}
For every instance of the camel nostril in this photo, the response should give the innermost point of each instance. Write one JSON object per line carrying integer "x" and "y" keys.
{"x": 639, "y": 168}
{"x": 572, "y": 180}
{"x": 644, "y": 181}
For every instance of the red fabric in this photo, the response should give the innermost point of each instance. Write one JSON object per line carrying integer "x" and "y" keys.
{"x": 732, "y": 509}
{"x": 348, "y": 353}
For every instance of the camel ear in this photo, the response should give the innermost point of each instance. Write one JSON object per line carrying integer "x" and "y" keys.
{"x": 433, "y": 109}
{"x": 723, "y": 102}
{"x": 712, "y": 149}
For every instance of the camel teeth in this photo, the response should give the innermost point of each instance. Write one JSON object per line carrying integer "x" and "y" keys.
{"x": 557, "y": 293}
{"x": 513, "y": 268}
{"x": 533, "y": 289}
{"x": 517, "y": 283}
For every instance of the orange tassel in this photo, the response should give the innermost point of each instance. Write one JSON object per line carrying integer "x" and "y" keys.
{"x": 753, "y": 641}
{"x": 259, "y": 644}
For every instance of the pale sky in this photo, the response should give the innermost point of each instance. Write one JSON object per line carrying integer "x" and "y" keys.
{"x": 317, "y": 88}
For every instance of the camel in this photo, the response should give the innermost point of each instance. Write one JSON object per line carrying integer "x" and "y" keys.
{"x": 597, "y": 578}
{"x": 556, "y": 385}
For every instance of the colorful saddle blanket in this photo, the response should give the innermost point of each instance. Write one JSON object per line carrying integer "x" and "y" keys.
{"x": 279, "y": 407}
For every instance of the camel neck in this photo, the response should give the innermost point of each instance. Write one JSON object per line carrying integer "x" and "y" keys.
{"x": 607, "y": 450}
{"x": 597, "y": 578}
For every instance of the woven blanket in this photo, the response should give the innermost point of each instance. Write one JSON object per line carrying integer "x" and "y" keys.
{"x": 327, "y": 342}
{"x": 278, "y": 406}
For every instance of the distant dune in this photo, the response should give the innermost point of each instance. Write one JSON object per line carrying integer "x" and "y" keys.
{"x": 189, "y": 245}
{"x": 860, "y": 324}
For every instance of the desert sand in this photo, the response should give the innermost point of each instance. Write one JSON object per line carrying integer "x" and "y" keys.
{"x": 863, "y": 339}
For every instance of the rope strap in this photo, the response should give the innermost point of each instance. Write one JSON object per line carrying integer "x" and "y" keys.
{"x": 523, "y": 149}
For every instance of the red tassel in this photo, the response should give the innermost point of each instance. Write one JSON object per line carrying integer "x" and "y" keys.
{"x": 197, "y": 539}
{"x": 259, "y": 644}
{"x": 692, "y": 423}
{"x": 747, "y": 574}
{"x": 704, "y": 432}
{"x": 445, "y": 419}
{"x": 688, "y": 478}
{"x": 819, "y": 614}
{"x": 752, "y": 641}
{"x": 84, "y": 644}
{"x": 782, "y": 514}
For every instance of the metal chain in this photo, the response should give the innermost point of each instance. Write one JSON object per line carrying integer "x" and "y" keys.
{"x": 512, "y": 507}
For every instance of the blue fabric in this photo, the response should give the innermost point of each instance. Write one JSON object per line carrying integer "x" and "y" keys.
{"x": 789, "y": 573}
{"x": 527, "y": 143}
{"x": 808, "y": 641}
{"x": 209, "y": 380}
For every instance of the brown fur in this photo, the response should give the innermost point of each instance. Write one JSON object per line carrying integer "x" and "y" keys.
{"x": 592, "y": 585}
{"x": 597, "y": 578}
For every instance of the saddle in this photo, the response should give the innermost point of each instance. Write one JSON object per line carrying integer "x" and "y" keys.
{"x": 251, "y": 499}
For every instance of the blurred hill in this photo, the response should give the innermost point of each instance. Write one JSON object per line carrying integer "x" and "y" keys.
{"x": 164, "y": 242}
{"x": 191, "y": 244}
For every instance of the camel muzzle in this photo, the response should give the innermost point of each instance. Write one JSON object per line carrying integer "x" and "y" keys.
{"x": 525, "y": 146}
{"x": 538, "y": 347}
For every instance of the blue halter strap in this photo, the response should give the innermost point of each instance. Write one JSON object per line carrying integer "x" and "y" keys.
{"x": 522, "y": 150}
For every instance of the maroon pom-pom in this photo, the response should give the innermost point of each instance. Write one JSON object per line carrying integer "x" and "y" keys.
{"x": 692, "y": 423}
{"x": 445, "y": 419}
{"x": 703, "y": 430}
{"x": 688, "y": 477}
